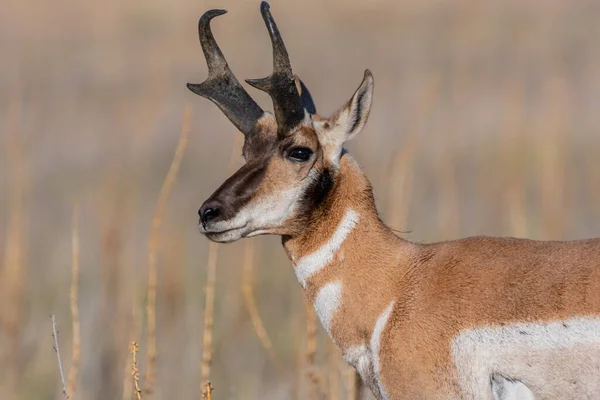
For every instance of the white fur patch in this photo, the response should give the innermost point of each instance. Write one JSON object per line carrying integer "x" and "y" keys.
{"x": 505, "y": 389}
{"x": 327, "y": 302}
{"x": 559, "y": 359}
{"x": 309, "y": 265}
{"x": 376, "y": 345}
{"x": 359, "y": 356}
{"x": 262, "y": 214}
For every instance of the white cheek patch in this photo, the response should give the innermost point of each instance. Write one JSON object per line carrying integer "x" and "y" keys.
{"x": 558, "y": 360}
{"x": 309, "y": 265}
{"x": 273, "y": 210}
{"x": 327, "y": 302}
{"x": 376, "y": 345}
{"x": 266, "y": 212}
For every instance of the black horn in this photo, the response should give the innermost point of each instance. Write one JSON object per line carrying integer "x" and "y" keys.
{"x": 221, "y": 86}
{"x": 280, "y": 85}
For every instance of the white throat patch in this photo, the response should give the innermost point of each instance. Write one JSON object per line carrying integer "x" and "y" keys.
{"x": 309, "y": 265}
{"x": 376, "y": 345}
{"x": 327, "y": 302}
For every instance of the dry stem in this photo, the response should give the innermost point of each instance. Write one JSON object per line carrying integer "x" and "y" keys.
{"x": 57, "y": 350}
{"x": 13, "y": 271}
{"x": 209, "y": 310}
{"x": 207, "y": 392}
{"x": 311, "y": 351}
{"x": 250, "y": 303}
{"x": 209, "y": 307}
{"x": 76, "y": 352}
{"x": 334, "y": 364}
{"x": 400, "y": 184}
{"x": 153, "y": 249}
{"x": 134, "y": 370}
{"x": 353, "y": 384}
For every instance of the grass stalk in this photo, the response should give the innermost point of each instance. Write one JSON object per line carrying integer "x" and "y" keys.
{"x": 311, "y": 375}
{"x": 209, "y": 305}
{"x": 76, "y": 344}
{"x": 57, "y": 351}
{"x": 209, "y": 310}
{"x": 135, "y": 374}
{"x": 165, "y": 191}
{"x": 250, "y": 303}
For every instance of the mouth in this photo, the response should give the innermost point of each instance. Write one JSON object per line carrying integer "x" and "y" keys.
{"x": 225, "y": 235}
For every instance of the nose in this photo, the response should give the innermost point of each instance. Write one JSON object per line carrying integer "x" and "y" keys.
{"x": 208, "y": 212}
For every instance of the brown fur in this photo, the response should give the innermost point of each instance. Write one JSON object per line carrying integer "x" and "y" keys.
{"x": 439, "y": 289}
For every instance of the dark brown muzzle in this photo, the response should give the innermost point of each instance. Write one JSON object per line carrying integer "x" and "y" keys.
{"x": 227, "y": 201}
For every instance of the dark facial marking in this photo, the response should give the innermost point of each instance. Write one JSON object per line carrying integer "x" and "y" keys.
{"x": 317, "y": 192}
{"x": 258, "y": 146}
{"x": 237, "y": 191}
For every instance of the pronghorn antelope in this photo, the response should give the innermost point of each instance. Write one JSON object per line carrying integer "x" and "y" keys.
{"x": 477, "y": 318}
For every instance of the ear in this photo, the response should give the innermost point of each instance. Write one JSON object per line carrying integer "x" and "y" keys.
{"x": 305, "y": 97}
{"x": 350, "y": 119}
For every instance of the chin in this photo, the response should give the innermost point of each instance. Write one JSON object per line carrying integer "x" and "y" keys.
{"x": 233, "y": 235}
{"x": 225, "y": 236}
{"x": 222, "y": 237}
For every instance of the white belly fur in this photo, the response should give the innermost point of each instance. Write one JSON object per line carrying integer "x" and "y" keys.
{"x": 554, "y": 360}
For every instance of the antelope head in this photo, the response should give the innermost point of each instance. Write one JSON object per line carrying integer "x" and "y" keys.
{"x": 292, "y": 156}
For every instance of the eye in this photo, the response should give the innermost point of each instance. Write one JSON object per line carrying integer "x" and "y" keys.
{"x": 299, "y": 154}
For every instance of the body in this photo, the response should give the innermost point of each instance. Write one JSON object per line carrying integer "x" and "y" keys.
{"x": 477, "y": 318}
{"x": 462, "y": 311}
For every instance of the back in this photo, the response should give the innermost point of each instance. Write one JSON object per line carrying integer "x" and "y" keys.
{"x": 525, "y": 311}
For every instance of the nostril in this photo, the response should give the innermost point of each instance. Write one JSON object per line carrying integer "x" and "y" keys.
{"x": 211, "y": 213}
{"x": 208, "y": 212}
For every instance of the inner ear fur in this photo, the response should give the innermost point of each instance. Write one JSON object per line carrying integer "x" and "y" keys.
{"x": 349, "y": 120}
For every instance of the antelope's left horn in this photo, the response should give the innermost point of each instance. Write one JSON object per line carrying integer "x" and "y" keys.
{"x": 221, "y": 86}
{"x": 280, "y": 85}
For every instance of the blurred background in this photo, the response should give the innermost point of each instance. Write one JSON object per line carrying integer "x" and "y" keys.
{"x": 485, "y": 122}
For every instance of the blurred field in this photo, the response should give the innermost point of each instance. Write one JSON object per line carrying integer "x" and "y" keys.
{"x": 485, "y": 121}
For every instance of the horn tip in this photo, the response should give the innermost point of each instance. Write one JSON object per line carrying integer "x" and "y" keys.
{"x": 260, "y": 84}
{"x": 196, "y": 88}
{"x": 210, "y": 14}
{"x": 264, "y": 6}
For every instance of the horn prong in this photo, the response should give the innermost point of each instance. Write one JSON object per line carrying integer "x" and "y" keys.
{"x": 280, "y": 85}
{"x": 261, "y": 84}
{"x": 221, "y": 86}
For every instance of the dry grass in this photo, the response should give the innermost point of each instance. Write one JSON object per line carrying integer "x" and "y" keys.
{"x": 209, "y": 311}
{"x": 153, "y": 247}
{"x": 135, "y": 374}
{"x": 484, "y": 122}
{"x": 13, "y": 273}
{"x": 59, "y": 360}
{"x": 209, "y": 306}
{"x": 207, "y": 391}
{"x": 251, "y": 306}
{"x": 73, "y": 295}
{"x": 312, "y": 378}
{"x": 333, "y": 380}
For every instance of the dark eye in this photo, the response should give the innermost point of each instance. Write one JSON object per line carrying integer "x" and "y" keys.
{"x": 300, "y": 154}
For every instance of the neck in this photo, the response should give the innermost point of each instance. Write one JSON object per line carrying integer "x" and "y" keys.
{"x": 346, "y": 259}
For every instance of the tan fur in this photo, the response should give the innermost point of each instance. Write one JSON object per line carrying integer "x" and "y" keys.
{"x": 440, "y": 289}
{"x": 475, "y": 318}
